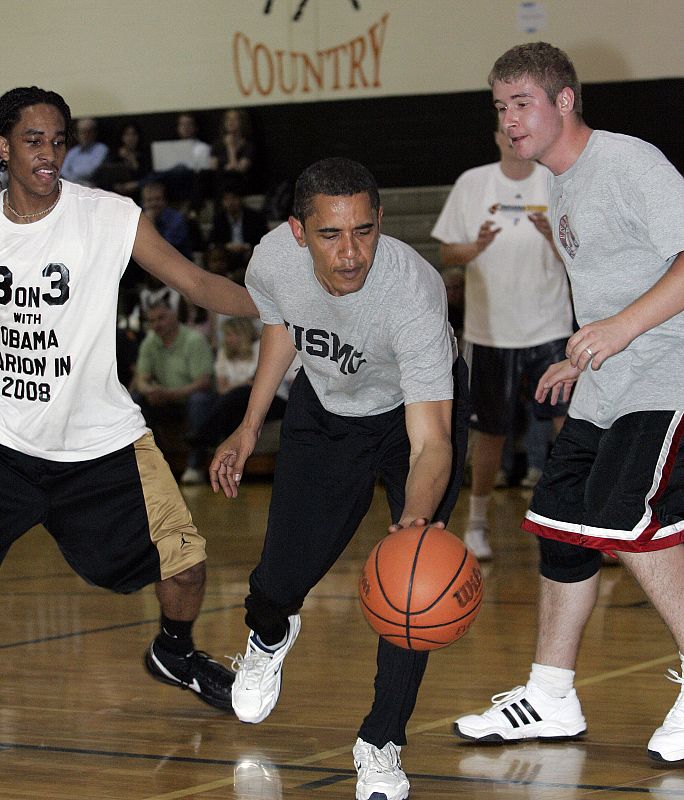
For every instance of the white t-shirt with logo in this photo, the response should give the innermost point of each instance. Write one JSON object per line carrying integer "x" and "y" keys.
{"x": 516, "y": 290}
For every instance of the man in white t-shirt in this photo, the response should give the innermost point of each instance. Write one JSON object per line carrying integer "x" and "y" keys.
{"x": 518, "y": 313}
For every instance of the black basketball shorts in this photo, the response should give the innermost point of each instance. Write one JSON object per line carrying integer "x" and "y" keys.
{"x": 119, "y": 520}
{"x": 614, "y": 489}
{"x": 497, "y": 377}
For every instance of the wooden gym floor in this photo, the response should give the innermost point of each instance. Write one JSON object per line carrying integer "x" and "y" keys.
{"x": 79, "y": 717}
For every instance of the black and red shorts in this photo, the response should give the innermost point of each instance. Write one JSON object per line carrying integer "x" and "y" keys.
{"x": 620, "y": 488}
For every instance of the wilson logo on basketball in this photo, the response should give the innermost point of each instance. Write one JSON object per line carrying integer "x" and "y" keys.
{"x": 469, "y": 589}
{"x": 364, "y": 586}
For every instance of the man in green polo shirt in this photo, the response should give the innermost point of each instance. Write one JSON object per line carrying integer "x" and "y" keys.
{"x": 174, "y": 379}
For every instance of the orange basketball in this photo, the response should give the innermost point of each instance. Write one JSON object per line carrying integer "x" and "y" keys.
{"x": 421, "y": 588}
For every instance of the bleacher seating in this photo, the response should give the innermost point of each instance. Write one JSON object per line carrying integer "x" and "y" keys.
{"x": 410, "y": 214}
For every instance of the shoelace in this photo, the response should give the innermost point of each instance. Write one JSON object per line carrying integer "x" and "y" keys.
{"x": 213, "y": 673}
{"x": 252, "y": 665}
{"x": 504, "y": 697}
{"x": 674, "y": 676}
{"x": 676, "y": 713}
{"x": 383, "y": 761}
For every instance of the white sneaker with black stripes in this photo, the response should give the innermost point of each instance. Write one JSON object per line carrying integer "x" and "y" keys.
{"x": 525, "y": 712}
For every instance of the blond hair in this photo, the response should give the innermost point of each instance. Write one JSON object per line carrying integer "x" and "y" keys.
{"x": 247, "y": 333}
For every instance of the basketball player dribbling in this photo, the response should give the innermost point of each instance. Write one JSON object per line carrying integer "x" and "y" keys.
{"x": 615, "y": 479}
{"x": 75, "y": 454}
{"x": 368, "y": 317}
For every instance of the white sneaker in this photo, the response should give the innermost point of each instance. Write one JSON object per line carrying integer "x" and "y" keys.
{"x": 380, "y": 774}
{"x": 192, "y": 477}
{"x": 501, "y": 480}
{"x": 525, "y": 712}
{"x": 258, "y": 675}
{"x": 531, "y": 479}
{"x": 667, "y": 742}
{"x": 476, "y": 541}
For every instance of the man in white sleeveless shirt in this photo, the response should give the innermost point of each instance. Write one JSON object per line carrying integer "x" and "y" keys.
{"x": 75, "y": 454}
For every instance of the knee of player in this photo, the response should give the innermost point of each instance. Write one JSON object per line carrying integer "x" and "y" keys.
{"x": 191, "y": 578}
{"x": 567, "y": 563}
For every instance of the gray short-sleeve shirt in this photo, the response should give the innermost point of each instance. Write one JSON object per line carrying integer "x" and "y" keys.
{"x": 618, "y": 219}
{"x": 367, "y": 352}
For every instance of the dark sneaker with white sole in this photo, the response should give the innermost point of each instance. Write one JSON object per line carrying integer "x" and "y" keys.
{"x": 198, "y": 672}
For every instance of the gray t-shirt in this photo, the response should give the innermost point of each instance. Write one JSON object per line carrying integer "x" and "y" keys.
{"x": 618, "y": 220}
{"x": 366, "y": 352}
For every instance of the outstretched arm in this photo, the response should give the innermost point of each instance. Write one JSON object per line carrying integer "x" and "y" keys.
{"x": 202, "y": 288}
{"x": 428, "y": 426}
{"x": 276, "y": 352}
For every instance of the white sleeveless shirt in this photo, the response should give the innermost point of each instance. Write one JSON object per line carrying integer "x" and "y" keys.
{"x": 60, "y": 398}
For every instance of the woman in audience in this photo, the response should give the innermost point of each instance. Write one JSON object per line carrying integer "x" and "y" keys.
{"x": 234, "y": 369}
{"x": 234, "y": 152}
{"x": 135, "y": 157}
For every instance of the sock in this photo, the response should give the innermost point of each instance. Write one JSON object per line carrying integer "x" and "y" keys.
{"x": 268, "y": 647}
{"x": 175, "y": 636}
{"x": 477, "y": 517}
{"x": 555, "y": 681}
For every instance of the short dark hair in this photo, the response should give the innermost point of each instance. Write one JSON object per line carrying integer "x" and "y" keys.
{"x": 13, "y": 102}
{"x": 546, "y": 65}
{"x": 154, "y": 184}
{"x": 334, "y": 177}
{"x": 162, "y": 300}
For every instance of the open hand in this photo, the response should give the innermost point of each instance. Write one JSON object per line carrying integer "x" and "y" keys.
{"x": 558, "y": 379}
{"x": 227, "y": 466}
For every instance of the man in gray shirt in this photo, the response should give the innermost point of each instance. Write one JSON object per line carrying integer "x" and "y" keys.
{"x": 614, "y": 480}
{"x": 368, "y": 317}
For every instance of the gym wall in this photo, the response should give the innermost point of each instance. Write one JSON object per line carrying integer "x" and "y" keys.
{"x": 398, "y": 84}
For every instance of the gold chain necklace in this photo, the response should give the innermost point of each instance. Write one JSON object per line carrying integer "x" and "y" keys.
{"x": 37, "y": 213}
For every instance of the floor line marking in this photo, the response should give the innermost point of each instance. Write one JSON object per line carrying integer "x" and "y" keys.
{"x": 108, "y": 628}
{"x": 424, "y": 728}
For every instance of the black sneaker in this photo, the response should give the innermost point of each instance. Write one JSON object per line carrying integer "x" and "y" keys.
{"x": 198, "y": 672}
